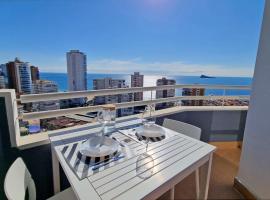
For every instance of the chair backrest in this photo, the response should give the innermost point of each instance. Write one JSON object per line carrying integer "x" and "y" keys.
{"x": 18, "y": 180}
{"x": 184, "y": 128}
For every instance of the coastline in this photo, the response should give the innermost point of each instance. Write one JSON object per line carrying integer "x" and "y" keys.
{"x": 150, "y": 80}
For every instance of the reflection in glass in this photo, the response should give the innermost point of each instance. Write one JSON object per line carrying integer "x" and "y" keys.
{"x": 106, "y": 118}
{"x": 145, "y": 164}
{"x": 148, "y": 109}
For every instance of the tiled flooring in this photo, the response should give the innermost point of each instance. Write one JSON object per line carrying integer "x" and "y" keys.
{"x": 224, "y": 169}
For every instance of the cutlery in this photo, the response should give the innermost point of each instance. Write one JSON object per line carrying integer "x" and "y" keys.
{"x": 106, "y": 163}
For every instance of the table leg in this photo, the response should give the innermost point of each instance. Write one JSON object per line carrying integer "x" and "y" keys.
{"x": 56, "y": 172}
{"x": 197, "y": 181}
{"x": 172, "y": 194}
{"x": 204, "y": 180}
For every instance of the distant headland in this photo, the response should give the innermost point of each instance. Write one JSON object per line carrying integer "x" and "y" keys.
{"x": 204, "y": 76}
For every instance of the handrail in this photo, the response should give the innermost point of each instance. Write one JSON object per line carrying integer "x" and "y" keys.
{"x": 93, "y": 93}
{"x": 83, "y": 110}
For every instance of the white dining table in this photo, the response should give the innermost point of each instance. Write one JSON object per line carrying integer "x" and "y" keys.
{"x": 174, "y": 159}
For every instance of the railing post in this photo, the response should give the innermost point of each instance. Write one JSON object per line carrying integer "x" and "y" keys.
{"x": 151, "y": 98}
{"x": 223, "y": 99}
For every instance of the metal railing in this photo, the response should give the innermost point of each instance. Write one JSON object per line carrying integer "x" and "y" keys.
{"x": 95, "y": 93}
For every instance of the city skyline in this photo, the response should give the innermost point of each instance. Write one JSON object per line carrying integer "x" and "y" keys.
{"x": 146, "y": 36}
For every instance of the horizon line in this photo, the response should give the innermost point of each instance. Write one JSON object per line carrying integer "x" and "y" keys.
{"x": 156, "y": 74}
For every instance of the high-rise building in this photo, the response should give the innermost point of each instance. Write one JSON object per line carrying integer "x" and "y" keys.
{"x": 109, "y": 83}
{"x": 192, "y": 92}
{"x": 19, "y": 75}
{"x": 77, "y": 73}
{"x": 126, "y": 98}
{"x": 2, "y": 82}
{"x": 77, "y": 70}
{"x": 3, "y": 76}
{"x": 45, "y": 86}
{"x": 137, "y": 81}
{"x": 165, "y": 93}
{"x": 34, "y": 73}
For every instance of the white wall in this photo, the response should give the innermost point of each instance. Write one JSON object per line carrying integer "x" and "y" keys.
{"x": 254, "y": 170}
{"x": 12, "y": 115}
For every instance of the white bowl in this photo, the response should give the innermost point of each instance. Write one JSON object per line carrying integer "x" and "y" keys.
{"x": 151, "y": 130}
{"x": 92, "y": 147}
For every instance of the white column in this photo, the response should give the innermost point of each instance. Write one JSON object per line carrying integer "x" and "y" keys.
{"x": 254, "y": 169}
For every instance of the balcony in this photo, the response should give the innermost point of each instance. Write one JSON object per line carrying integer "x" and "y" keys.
{"x": 237, "y": 125}
{"x": 212, "y": 104}
{"x": 222, "y": 125}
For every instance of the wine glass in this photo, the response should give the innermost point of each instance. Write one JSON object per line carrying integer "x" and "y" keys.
{"x": 145, "y": 163}
{"x": 143, "y": 114}
{"x": 151, "y": 120}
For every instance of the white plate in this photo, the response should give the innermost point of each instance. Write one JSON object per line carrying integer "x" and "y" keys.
{"x": 150, "y": 131}
{"x": 92, "y": 148}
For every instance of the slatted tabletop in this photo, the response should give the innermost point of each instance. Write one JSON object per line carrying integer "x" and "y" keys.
{"x": 172, "y": 156}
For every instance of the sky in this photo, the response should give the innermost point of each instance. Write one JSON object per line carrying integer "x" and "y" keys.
{"x": 165, "y": 37}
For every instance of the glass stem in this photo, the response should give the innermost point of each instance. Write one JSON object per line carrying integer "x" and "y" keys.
{"x": 147, "y": 142}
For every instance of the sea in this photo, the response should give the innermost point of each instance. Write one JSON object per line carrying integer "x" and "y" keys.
{"x": 150, "y": 80}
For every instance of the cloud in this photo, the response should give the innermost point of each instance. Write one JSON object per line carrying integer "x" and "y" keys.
{"x": 165, "y": 68}
{"x": 114, "y": 66}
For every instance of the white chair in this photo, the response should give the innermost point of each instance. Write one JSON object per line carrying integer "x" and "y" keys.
{"x": 191, "y": 131}
{"x": 184, "y": 128}
{"x": 18, "y": 180}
